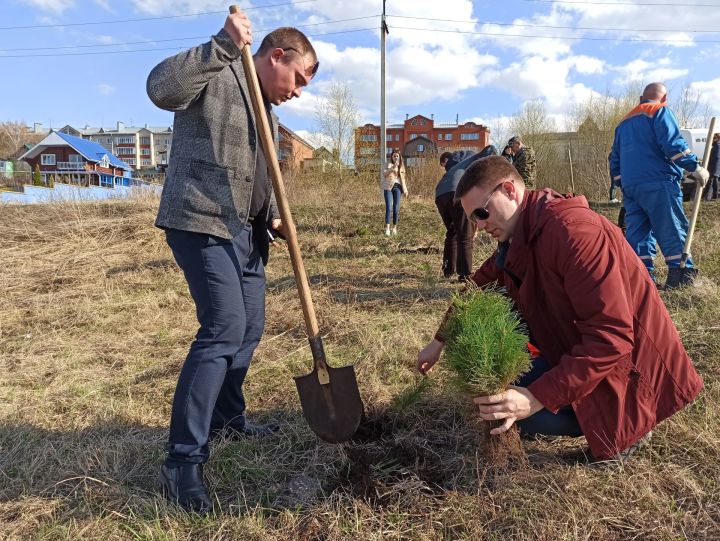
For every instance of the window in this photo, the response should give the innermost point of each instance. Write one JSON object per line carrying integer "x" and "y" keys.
{"x": 439, "y": 136}
{"x": 367, "y": 150}
{"x": 388, "y": 151}
{"x": 146, "y": 162}
{"x": 414, "y": 122}
{"x": 368, "y": 138}
{"x": 422, "y": 122}
{"x": 397, "y": 137}
{"x": 125, "y": 151}
{"x": 130, "y": 161}
{"x": 145, "y": 141}
{"x": 75, "y": 158}
{"x": 145, "y": 151}
{"x": 126, "y": 141}
{"x": 423, "y": 135}
{"x": 421, "y": 148}
{"x": 413, "y": 135}
{"x": 47, "y": 159}
{"x": 448, "y": 136}
{"x": 469, "y": 136}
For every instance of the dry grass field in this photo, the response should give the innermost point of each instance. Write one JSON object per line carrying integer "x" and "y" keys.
{"x": 95, "y": 321}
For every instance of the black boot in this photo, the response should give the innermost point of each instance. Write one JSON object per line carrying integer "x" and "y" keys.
{"x": 184, "y": 486}
{"x": 678, "y": 277}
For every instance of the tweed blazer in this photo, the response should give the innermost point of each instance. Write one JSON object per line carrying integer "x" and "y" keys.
{"x": 211, "y": 171}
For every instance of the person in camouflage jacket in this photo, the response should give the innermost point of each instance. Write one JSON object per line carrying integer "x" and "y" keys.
{"x": 523, "y": 160}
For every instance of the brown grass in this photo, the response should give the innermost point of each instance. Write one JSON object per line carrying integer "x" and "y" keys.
{"x": 95, "y": 321}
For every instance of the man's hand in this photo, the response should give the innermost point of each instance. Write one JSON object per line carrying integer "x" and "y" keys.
{"x": 700, "y": 175}
{"x": 513, "y": 404}
{"x": 278, "y": 225}
{"x": 238, "y": 26}
{"x": 429, "y": 356}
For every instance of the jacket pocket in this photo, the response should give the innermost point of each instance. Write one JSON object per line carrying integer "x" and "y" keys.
{"x": 208, "y": 191}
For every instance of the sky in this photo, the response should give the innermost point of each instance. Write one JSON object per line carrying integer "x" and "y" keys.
{"x": 85, "y": 62}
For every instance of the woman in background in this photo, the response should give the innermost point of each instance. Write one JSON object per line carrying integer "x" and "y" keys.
{"x": 394, "y": 187}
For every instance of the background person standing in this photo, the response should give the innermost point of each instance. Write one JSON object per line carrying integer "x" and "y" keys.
{"x": 523, "y": 160}
{"x": 648, "y": 157}
{"x": 394, "y": 187}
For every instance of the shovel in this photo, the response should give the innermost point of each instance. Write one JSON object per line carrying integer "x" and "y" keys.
{"x": 698, "y": 197}
{"x": 329, "y": 397}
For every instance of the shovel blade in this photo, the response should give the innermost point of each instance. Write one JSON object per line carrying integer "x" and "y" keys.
{"x": 333, "y": 411}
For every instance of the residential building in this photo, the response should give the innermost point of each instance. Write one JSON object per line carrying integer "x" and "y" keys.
{"x": 145, "y": 148}
{"x": 7, "y": 168}
{"x": 67, "y": 159}
{"x": 322, "y": 161}
{"x": 293, "y": 149}
{"x": 417, "y": 138}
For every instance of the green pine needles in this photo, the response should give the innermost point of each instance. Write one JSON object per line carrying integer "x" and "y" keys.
{"x": 485, "y": 342}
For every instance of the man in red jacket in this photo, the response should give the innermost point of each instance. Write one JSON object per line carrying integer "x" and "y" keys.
{"x": 613, "y": 364}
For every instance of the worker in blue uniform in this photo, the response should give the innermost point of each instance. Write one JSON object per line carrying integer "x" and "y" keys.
{"x": 648, "y": 159}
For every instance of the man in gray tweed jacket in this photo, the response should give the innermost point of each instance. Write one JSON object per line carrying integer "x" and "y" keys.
{"x": 216, "y": 207}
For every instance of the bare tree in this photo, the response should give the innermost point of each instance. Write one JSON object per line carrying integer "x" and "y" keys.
{"x": 336, "y": 117}
{"x": 686, "y": 106}
{"x": 12, "y": 136}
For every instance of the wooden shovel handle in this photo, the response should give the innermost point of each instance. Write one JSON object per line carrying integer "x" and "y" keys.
{"x": 698, "y": 197}
{"x": 268, "y": 146}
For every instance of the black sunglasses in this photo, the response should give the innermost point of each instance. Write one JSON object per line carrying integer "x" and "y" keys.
{"x": 482, "y": 213}
{"x": 314, "y": 68}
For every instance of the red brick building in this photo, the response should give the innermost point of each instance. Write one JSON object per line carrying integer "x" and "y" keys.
{"x": 418, "y": 138}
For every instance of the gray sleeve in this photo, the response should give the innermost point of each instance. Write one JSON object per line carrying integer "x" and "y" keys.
{"x": 176, "y": 82}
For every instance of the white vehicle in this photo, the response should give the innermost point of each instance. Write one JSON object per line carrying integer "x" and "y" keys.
{"x": 696, "y": 139}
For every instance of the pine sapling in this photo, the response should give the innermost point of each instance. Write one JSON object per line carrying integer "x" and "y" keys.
{"x": 486, "y": 350}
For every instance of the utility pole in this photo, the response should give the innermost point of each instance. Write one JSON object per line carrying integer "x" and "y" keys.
{"x": 383, "y": 133}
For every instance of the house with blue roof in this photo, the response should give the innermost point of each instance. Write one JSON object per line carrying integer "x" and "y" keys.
{"x": 67, "y": 159}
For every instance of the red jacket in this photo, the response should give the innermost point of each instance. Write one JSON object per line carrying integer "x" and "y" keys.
{"x": 598, "y": 319}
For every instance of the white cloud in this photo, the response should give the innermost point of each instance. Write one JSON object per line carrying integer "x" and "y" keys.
{"x": 588, "y": 65}
{"x": 647, "y": 71}
{"x": 105, "y": 89}
{"x": 56, "y": 6}
{"x": 638, "y": 22}
{"x": 710, "y": 91}
{"x": 541, "y": 78}
{"x": 105, "y": 4}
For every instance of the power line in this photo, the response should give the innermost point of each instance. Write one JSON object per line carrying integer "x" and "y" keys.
{"x": 529, "y": 25}
{"x": 495, "y": 34}
{"x": 623, "y": 3}
{"x": 150, "y": 18}
{"x": 147, "y": 42}
{"x": 88, "y": 53}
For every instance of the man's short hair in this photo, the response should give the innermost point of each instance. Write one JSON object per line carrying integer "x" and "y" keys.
{"x": 445, "y": 156}
{"x": 288, "y": 38}
{"x": 515, "y": 139}
{"x": 491, "y": 170}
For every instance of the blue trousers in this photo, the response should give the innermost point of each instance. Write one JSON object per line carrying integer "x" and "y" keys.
{"x": 654, "y": 212}
{"x": 562, "y": 423}
{"x": 226, "y": 279}
{"x": 392, "y": 203}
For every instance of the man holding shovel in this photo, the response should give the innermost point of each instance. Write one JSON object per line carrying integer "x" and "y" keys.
{"x": 648, "y": 158}
{"x": 216, "y": 208}
{"x": 612, "y": 364}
